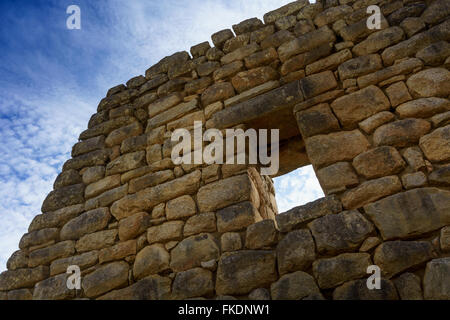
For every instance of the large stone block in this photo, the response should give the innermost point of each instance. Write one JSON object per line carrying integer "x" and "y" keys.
{"x": 410, "y": 213}
{"x": 370, "y": 191}
{"x": 54, "y": 288}
{"x": 316, "y": 84}
{"x": 63, "y": 197}
{"x": 436, "y": 145}
{"x": 96, "y": 240}
{"x": 150, "y": 288}
{"x": 379, "y": 40}
{"x": 379, "y": 162}
{"x": 409, "y": 286}
{"x": 117, "y": 136}
{"x": 150, "y": 197}
{"x": 242, "y": 271}
{"x": 172, "y": 230}
{"x": 284, "y": 11}
{"x": 105, "y": 184}
{"x": 246, "y": 80}
{"x": 203, "y": 222}
{"x": 105, "y": 278}
{"x": 331, "y": 272}
{"x": 22, "y": 278}
{"x": 433, "y": 82}
{"x": 317, "y": 120}
{"x": 84, "y": 260}
{"x": 192, "y": 283}
{"x": 261, "y": 234}
{"x": 46, "y": 255}
{"x": 357, "y": 290}
{"x": 224, "y": 192}
{"x": 423, "y": 108}
{"x": 118, "y": 251}
{"x": 327, "y": 149}
{"x": 126, "y": 162}
{"x": 236, "y": 217}
{"x": 134, "y": 225}
{"x": 151, "y": 260}
{"x": 357, "y": 106}
{"x": 192, "y": 251}
{"x": 39, "y": 237}
{"x": 401, "y": 133}
{"x": 296, "y": 251}
{"x": 293, "y": 218}
{"x": 359, "y": 66}
{"x": 294, "y": 286}
{"x": 180, "y": 208}
{"x": 436, "y": 279}
{"x": 88, "y": 222}
{"x": 394, "y": 257}
{"x": 340, "y": 232}
{"x": 337, "y": 177}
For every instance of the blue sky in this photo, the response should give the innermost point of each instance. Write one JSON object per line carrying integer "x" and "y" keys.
{"x": 52, "y": 78}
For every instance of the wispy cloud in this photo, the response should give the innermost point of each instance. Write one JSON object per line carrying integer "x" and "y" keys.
{"x": 52, "y": 79}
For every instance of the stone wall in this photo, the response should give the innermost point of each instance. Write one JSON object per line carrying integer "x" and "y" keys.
{"x": 368, "y": 109}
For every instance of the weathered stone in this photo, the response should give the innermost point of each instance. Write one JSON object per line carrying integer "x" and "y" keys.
{"x": 103, "y": 128}
{"x": 88, "y": 145}
{"x": 445, "y": 239}
{"x": 414, "y": 180}
{"x": 436, "y": 145}
{"x": 423, "y": 108}
{"x": 19, "y": 295}
{"x": 236, "y": 217}
{"x": 378, "y": 162}
{"x": 97, "y": 240}
{"x": 412, "y": 25}
{"x": 359, "y": 66}
{"x": 337, "y": 177}
{"x": 247, "y": 25}
{"x": 84, "y": 260}
{"x": 101, "y": 186}
{"x": 195, "y": 282}
{"x": 249, "y": 79}
{"x": 216, "y": 92}
{"x": 200, "y": 49}
{"x": 301, "y": 60}
{"x": 106, "y": 198}
{"x": 436, "y": 11}
{"x": 150, "y": 288}
{"x": 260, "y": 58}
{"x": 261, "y": 234}
{"x": 400, "y": 68}
{"x": 370, "y": 191}
{"x": 293, "y": 218}
{"x": 38, "y": 237}
{"x": 54, "y": 288}
{"x": 22, "y": 278}
{"x": 18, "y": 260}
{"x": 151, "y": 260}
{"x": 172, "y": 114}
{"x": 284, "y": 11}
{"x": 117, "y": 252}
{"x": 203, "y": 222}
{"x": 56, "y": 218}
{"x": 88, "y": 222}
{"x": 435, "y": 54}
{"x": 285, "y": 23}
{"x": 150, "y": 180}
{"x": 317, "y": 83}
{"x": 263, "y": 104}
{"x": 410, "y": 213}
{"x": 330, "y": 62}
{"x": 401, "y": 133}
{"x": 197, "y": 86}
{"x": 305, "y": 43}
{"x": 394, "y": 257}
{"x": 259, "y": 294}
{"x": 335, "y": 233}
{"x": 172, "y": 230}
{"x": 331, "y": 272}
{"x": 190, "y": 252}
{"x": 131, "y": 227}
{"x": 440, "y": 176}
{"x": 435, "y": 280}
{"x": 240, "y": 54}
{"x": 317, "y": 120}
{"x": 228, "y": 70}
{"x": 46, "y": 255}
{"x": 117, "y": 136}
{"x": 93, "y": 174}
{"x": 441, "y": 119}
{"x": 259, "y": 35}
{"x": 408, "y": 287}
{"x": 411, "y": 10}
{"x": 67, "y": 178}
{"x": 430, "y": 82}
{"x": 357, "y": 290}
{"x": 277, "y": 39}
{"x": 373, "y": 122}
{"x": 214, "y": 54}
{"x": 105, "y": 278}
{"x": 294, "y": 286}
{"x": 150, "y": 197}
{"x": 180, "y": 208}
{"x": 325, "y": 149}
{"x": 126, "y": 162}
{"x": 235, "y": 43}
{"x": 63, "y": 197}
{"x": 332, "y": 14}
{"x": 220, "y": 37}
{"x": 357, "y": 106}
{"x": 230, "y": 241}
{"x": 241, "y": 272}
{"x": 369, "y": 244}
{"x": 303, "y": 26}
{"x": 222, "y": 193}
{"x": 415, "y": 43}
{"x": 296, "y": 251}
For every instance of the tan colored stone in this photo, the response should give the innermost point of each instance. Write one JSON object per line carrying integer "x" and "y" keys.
{"x": 379, "y": 40}
{"x": 401, "y": 133}
{"x": 195, "y": 282}
{"x": 430, "y": 82}
{"x": 436, "y": 145}
{"x": 133, "y": 226}
{"x": 373, "y": 122}
{"x": 118, "y": 251}
{"x": 246, "y": 80}
{"x": 423, "y": 108}
{"x": 216, "y": 92}
{"x": 88, "y": 145}
{"x": 317, "y": 120}
{"x": 180, "y": 208}
{"x": 378, "y": 162}
{"x": 414, "y": 180}
{"x": 190, "y": 252}
{"x": 46, "y": 255}
{"x": 236, "y": 217}
{"x": 332, "y": 14}
{"x": 93, "y": 174}
{"x": 150, "y": 180}
{"x": 105, "y": 278}
{"x": 284, "y": 11}
{"x": 172, "y": 113}
{"x": 54, "y": 288}
{"x": 261, "y": 234}
{"x": 18, "y": 260}
{"x": 359, "y": 66}
{"x": 296, "y": 251}
{"x": 261, "y": 58}
{"x": 240, "y": 53}
{"x": 63, "y": 197}
{"x": 172, "y": 230}
{"x": 228, "y": 70}
{"x": 242, "y": 271}
{"x": 294, "y": 286}
{"x": 337, "y": 177}
{"x": 277, "y": 39}
{"x": 230, "y": 241}
{"x": 409, "y": 286}
{"x": 317, "y": 83}
{"x": 329, "y": 63}
{"x": 101, "y": 186}
{"x": 117, "y": 136}
{"x": 97, "y": 240}
{"x": 86, "y": 223}
{"x": 358, "y": 290}
{"x": 203, "y": 222}
{"x": 84, "y": 261}
{"x": 38, "y": 237}
{"x": 106, "y": 198}
{"x": 410, "y": 213}
{"x": 150, "y": 260}
{"x": 435, "y": 281}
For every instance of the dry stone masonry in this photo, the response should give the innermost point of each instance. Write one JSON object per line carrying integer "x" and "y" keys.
{"x": 369, "y": 109}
